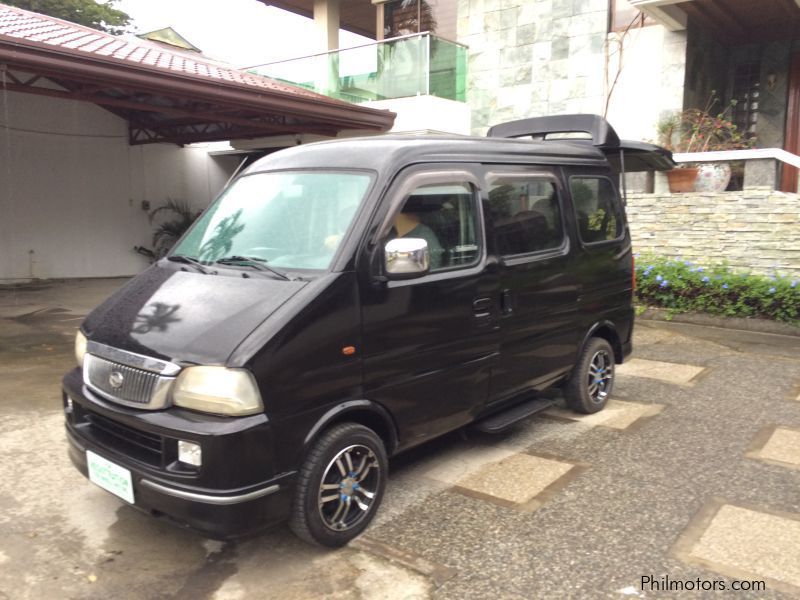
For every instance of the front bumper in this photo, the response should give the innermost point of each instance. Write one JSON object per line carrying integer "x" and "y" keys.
{"x": 226, "y": 497}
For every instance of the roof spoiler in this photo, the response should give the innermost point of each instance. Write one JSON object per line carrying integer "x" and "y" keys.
{"x": 538, "y": 128}
{"x": 623, "y": 155}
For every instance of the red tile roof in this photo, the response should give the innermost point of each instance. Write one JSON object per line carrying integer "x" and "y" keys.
{"x": 164, "y": 95}
{"x": 24, "y": 26}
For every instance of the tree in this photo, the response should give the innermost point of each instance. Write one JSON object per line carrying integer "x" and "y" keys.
{"x": 84, "y": 12}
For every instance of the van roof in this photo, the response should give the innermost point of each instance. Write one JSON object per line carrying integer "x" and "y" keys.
{"x": 396, "y": 151}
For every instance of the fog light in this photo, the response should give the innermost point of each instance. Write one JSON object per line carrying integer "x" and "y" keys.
{"x": 69, "y": 405}
{"x": 190, "y": 453}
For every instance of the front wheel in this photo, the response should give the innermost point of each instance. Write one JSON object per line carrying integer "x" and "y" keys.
{"x": 592, "y": 379}
{"x": 340, "y": 486}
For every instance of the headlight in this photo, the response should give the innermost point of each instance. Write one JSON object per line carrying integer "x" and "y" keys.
{"x": 80, "y": 347}
{"x": 217, "y": 390}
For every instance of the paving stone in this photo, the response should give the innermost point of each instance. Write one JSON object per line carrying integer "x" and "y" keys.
{"x": 452, "y": 466}
{"x": 754, "y": 542}
{"x": 616, "y": 414}
{"x": 782, "y": 446}
{"x": 663, "y": 371}
{"x": 517, "y": 478}
{"x": 614, "y": 522}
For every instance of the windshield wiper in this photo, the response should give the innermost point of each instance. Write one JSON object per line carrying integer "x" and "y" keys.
{"x": 255, "y": 262}
{"x": 181, "y": 258}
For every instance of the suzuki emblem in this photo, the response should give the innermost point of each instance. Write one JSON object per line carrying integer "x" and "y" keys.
{"x": 116, "y": 379}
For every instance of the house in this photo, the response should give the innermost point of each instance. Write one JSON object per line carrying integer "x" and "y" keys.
{"x": 97, "y": 130}
{"x": 632, "y": 60}
{"x": 463, "y": 65}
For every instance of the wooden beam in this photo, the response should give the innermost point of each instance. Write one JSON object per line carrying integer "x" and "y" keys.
{"x": 702, "y": 19}
{"x": 729, "y": 16}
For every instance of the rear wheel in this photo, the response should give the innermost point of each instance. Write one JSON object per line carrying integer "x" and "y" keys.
{"x": 592, "y": 379}
{"x": 340, "y": 486}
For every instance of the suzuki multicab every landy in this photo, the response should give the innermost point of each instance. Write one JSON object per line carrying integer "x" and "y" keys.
{"x": 344, "y": 301}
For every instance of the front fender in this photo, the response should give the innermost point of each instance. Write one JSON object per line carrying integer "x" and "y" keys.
{"x": 365, "y": 412}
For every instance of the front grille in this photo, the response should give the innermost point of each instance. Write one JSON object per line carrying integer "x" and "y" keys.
{"x": 136, "y": 386}
{"x": 141, "y": 445}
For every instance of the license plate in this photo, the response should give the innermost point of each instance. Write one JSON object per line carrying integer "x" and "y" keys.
{"x": 110, "y": 477}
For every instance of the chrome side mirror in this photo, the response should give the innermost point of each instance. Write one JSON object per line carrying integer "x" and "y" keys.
{"x": 404, "y": 258}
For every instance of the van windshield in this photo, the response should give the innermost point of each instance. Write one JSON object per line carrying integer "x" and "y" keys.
{"x": 289, "y": 219}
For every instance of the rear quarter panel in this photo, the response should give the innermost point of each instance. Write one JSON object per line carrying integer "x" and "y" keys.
{"x": 605, "y": 269}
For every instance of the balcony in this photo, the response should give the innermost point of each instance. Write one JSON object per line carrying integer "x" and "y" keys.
{"x": 403, "y": 67}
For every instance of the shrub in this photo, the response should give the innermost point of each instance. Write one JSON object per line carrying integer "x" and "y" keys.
{"x": 167, "y": 233}
{"x": 700, "y": 130}
{"x": 681, "y": 286}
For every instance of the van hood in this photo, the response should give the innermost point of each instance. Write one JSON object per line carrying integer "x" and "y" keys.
{"x": 186, "y": 316}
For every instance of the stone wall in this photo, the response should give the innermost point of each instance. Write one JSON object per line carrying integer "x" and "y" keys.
{"x": 756, "y": 230}
{"x": 533, "y": 57}
{"x": 530, "y": 58}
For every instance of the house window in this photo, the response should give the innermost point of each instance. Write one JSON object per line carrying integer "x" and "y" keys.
{"x": 624, "y": 16}
{"x": 404, "y": 17}
{"x": 746, "y": 92}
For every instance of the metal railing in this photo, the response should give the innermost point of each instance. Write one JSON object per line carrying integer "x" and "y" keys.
{"x": 401, "y": 67}
{"x": 753, "y": 174}
{"x": 730, "y": 155}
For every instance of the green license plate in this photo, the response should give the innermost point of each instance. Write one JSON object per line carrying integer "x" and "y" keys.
{"x": 110, "y": 477}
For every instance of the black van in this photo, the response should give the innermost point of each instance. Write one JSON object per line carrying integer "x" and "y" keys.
{"x": 341, "y": 302}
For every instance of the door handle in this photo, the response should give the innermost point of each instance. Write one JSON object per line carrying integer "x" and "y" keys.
{"x": 482, "y": 306}
{"x": 507, "y": 302}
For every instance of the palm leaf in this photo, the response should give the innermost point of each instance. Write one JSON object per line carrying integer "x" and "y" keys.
{"x": 168, "y": 232}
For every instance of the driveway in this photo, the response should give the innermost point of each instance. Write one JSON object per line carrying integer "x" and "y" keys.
{"x": 689, "y": 480}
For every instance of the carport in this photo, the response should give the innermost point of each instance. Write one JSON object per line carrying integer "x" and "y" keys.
{"x": 75, "y": 104}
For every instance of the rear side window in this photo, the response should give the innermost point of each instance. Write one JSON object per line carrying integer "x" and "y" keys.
{"x": 446, "y": 216}
{"x": 526, "y": 215}
{"x": 597, "y": 209}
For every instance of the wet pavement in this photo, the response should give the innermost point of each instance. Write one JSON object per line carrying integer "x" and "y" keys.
{"x": 690, "y": 477}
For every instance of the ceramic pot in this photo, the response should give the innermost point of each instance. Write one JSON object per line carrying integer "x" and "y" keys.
{"x": 712, "y": 177}
{"x": 682, "y": 180}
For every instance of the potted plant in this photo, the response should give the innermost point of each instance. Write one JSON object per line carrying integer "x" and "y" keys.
{"x": 698, "y": 130}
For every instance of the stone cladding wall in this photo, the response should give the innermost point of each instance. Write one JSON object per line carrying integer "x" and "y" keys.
{"x": 757, "y": 230}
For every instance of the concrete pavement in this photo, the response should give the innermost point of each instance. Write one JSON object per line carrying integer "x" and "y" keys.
{"x": 690, "y": 477}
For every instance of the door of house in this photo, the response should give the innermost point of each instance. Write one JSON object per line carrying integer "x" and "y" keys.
{"x": 792, "y": 137}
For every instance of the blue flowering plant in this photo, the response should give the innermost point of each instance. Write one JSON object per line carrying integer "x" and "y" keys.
{"x": 681, "y": 285}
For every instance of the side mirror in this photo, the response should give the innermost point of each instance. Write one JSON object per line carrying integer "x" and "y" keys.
{"x": 406, "y": 258}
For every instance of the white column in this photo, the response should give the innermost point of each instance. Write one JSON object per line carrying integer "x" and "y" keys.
{"x": 326, "y": 17}
{"x": 379, "y": 21}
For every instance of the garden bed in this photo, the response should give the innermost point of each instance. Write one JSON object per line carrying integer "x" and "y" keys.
{"x": 681, "y": 286}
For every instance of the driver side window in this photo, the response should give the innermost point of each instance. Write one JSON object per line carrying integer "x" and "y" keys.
{"x": 446, "y": 217}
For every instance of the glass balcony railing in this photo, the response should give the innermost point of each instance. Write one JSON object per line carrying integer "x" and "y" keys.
{"x": 413, "y": 65}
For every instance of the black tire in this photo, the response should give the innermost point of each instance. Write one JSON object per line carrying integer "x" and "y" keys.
{"x": 336, "y": 460}
{"x": 590, "y": 385}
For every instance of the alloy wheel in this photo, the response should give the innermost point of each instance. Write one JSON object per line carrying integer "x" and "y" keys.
{"x": 348, "y": 487}
{"x": 600, "y": 376}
